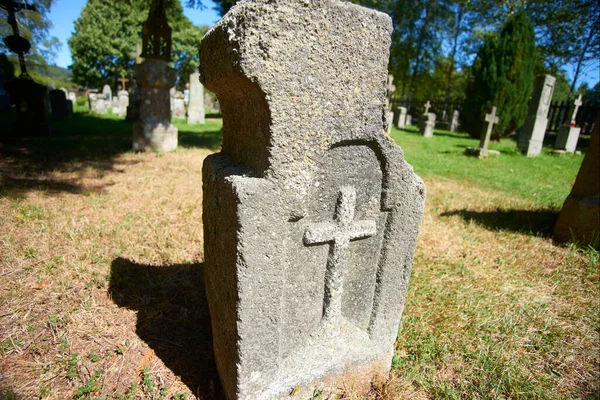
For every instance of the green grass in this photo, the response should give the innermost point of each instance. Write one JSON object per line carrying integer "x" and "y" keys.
{"x": 545, "y": 180}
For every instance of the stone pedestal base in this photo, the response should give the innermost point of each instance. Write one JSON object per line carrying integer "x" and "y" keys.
{"x": 566, "y": 138}
{"x": 532, "y": 135}
{"x": 154, "y": 136}
{"x": 480, "y": 153}
{"x": 195, "y": 117}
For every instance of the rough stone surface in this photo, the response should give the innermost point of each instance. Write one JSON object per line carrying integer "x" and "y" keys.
{"x": 427, "y": 124}
{"x": 196, "y": 105}
{"x": 454, "y": 123}
{"x": 401, "y": 117}
{"x": 566, "y": 138}
{"x": 133, "y": 109}
{"x": 310, "y": 212}
{"x": 579, "y": 219}
{"x": 153, "y": 130}
{"x": 534, "y": 129}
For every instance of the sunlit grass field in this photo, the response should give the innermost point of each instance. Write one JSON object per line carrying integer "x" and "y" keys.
{"x": 101, "y": 258}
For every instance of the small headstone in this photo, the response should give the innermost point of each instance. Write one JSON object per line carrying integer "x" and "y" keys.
{"x": 209, "y": 100}
{"x": 58, "y": 103}
{"x": 122, "y": 103}
{"x": 196, "y": 104}
{"x": 72, "y": 96}
{"x": 534, "y": 129}
{"x": 107, "y": 92}
{"x": 216, "y": 108}
{"x": 310, "y": 213}
{"x": 454, "y": 123}
{"x": 408, "y": 120}
{"x": 482, "y": 151}
{"x": 427, "y": 124}
{"x": 401, "y": 117}
{"x": 178, "y": 110}
{"x": 579, "y": 219}
{"x": 567, "y": 136}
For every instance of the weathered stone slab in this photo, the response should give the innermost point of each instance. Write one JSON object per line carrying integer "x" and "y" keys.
{"x": 196, "y": 106}
{"x": 61, "y": 107}
{"x": 153, "y": 130}
{"x": 107, "y": 93}
{"x": 534, "y": 129}
{"x": 408, "y": 119}
{"x": 310, "y": 212}
{"x": 178, "y": 102}
{"x": 427, "y": 124}
{"x": 579, "y": 219}
{"x": 567, "y": 138}
{"x": 454, "y": 123}
{"x": 401, "y": 117}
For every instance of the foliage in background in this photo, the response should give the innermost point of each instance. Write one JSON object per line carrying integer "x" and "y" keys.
{"x": 107, "y": 40}
{"x": 35, "y": 27}
{"x": 502, "y": 76}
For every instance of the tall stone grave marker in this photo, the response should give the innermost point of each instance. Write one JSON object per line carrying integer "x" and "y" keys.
{"x": 482, "y": 151}
{"x": 534, "y": 129}
{"x": 579, "y": 219}
{"x": 567, "y": 136}
{"x": 154, "y": 130}
{"x": 311, "y": 214}
{"x": 401, "y": 117}
{"x": 196, "y": 104}
{"x": 454, "y": 122}
{"x": 427, "y": 124}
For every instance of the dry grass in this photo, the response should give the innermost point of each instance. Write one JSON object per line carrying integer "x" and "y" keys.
{"x": 102, "y": 294}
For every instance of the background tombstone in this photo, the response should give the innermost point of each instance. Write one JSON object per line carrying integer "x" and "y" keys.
{"x": 482, "y": 151}
{"x": 72, "y": 96}
{"x": 408, "y": 119}
{"x": 534, "y": 129}
{"x": 107, "y": 92}
{"x": 196, "y": 105}
{"x": 310, "y": 220}
{"x": 567, "y": 136}
{"x": 401, "y": 117}
{"x": 5, "y": 104}
{"x": 178, "y": 100}
{"x": 579, "y": 219}
{"x": 123, "y": 102}
{"x": 58, "y": 103}
{"x": 427, "y": 124}
{"x": 454, "y": 123}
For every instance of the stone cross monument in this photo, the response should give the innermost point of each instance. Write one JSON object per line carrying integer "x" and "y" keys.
{"x": 534, "y": 129}
{"x": 427, "y": 124}
{"x": 153, "y": 129}
{"x": 482, "y": 151}
{"x": 196, "y": 105}
{"x": 427, "y": 106}
{"x": 310, "y": 212}
{"x": 568, "y": 136}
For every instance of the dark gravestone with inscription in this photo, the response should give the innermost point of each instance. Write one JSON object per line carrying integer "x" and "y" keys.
{"x": 311, "y": 214}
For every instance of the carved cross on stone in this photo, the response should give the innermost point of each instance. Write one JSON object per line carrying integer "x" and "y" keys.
{"x": 427, "y": 106}
{"x": 577, "y": 104}
{"x": 123, "y": 81}
{"x": 339, "y": 233}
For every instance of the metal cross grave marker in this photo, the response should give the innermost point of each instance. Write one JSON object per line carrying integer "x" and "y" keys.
{"x": 491, "y": 119}
{"x": 339, "y": 233}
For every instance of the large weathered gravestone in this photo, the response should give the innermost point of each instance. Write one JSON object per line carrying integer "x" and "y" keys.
{"x": 196, "y": 105}
{"x": 61, "y": 107}
{"x": 534, "y": 129}
{"x": 567, "y": 136}
{"x": 310, "y": 212}
{"x": 579, "y": 219}
{"x": 482, "y": 151}
{"x": 427, "y": 124}
{"x": 31, "y": 106}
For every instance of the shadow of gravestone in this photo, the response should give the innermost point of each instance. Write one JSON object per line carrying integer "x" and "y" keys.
{"x": 173, "y": 318}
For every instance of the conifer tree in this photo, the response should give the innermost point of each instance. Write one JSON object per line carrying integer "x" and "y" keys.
{"x": 502, "y": 76}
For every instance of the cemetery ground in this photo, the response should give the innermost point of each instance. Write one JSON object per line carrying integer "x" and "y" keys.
{"x": 101, "y": 294}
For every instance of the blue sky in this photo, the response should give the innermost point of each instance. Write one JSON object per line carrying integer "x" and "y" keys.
{"x": 64, "y": 13}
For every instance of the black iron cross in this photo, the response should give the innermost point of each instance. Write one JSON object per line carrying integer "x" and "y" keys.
{"x": 15, "y": 42}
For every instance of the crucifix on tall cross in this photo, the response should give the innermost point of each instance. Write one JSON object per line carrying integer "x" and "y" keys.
{"x": 15, "y": 42}
{"x": 577, "y": 104}
{"x": 123, "y": 81}
{"x": 491, "y": 119}
{"x": 338, "y": 233}
{"x": 427, "y": 106}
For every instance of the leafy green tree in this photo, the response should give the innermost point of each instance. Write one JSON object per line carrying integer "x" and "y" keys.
{"x": 108, "y": 33}
{"x": 502, "y": 76}
{"x": 35, "y": 27}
